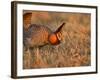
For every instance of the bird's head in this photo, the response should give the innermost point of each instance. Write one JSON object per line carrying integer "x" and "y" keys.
{"x": 56, "y": 37}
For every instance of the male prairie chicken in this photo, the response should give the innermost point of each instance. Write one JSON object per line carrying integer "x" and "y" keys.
{"x": 35, "y": 36}
{"x": 40, "y": 35}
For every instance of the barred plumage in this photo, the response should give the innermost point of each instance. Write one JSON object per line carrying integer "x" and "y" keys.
{"x": 36, "y": 35}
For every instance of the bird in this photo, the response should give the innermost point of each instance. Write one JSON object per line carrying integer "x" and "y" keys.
{"x": 36, "y": 36}
{"x": 40, "y": 35}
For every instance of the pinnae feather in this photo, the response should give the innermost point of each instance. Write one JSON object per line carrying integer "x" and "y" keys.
{"x": 59, "y": 29}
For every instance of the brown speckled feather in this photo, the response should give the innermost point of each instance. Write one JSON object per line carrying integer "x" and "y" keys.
{"x": 36, "y": 35}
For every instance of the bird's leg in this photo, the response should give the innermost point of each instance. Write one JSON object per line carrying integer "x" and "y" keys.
{"x": 29, "y": 58}
{"x": 37, "y": 53}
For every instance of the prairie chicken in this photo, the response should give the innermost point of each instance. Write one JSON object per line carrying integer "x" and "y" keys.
{"x": 35, "y": 36}
{"x": 40, "y": 35}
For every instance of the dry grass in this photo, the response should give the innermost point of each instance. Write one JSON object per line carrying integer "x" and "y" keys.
{"x": 75, "y": 47}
